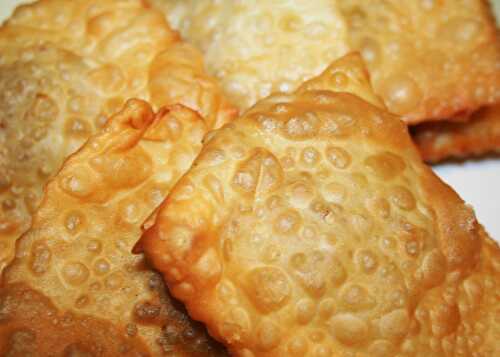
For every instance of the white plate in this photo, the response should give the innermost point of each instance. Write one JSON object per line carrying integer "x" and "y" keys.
{"x": 478, "y": 182}
{"x": 6, "y": 7}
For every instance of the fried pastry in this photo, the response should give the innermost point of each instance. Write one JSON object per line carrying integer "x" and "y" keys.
{"x": 258, "y": 47}
{"x": 447, "y": 140}
{"x": 311, "y": 227}
{"x": 65, "y": 66}
{"x": 428, "y": 59}
{"x": 74, "y": 288}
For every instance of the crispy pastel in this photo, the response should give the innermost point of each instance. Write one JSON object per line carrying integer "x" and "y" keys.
{"x": 444, "y": 140}
{"x": 65, "y": 66}
{"x": 74, "y": 287}
{"x": 258, "y": 47}
{"x": 311, "y": 227}
{"x": 428, "y": 59}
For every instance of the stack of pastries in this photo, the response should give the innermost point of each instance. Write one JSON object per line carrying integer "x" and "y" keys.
{"x": 252, "y": 185}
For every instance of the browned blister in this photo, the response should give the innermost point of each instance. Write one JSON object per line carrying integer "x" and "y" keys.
{"x": 478, "y": 136}
{"x": 428, "y": 60}
{"x": 311, "y": 227}
{"x": 65, "y": 66}
{"x": 74, "y": 285}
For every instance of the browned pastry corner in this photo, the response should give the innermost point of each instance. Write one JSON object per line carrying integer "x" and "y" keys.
{"x": 428, "y": 59}
{"x": 65, "y": 66}
{"x": 444, "y": 140}
{"x": 311, "y": 227}
{"x": 74, "y": 288}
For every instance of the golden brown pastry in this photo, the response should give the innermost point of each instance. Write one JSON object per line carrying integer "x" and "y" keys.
{"x": 65, "y": 66}
{"x": 74, "y": 288}
{"x": 444, "y": 140}
{"x": 472, "y": 136}
{"x": 428, "y": 59}
{"x": 311, "y": 227}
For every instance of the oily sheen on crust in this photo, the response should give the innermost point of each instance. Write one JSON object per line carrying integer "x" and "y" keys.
{"x": 311, "y": 227}
{"x": 65, "y": 67}
{"x": 74, "y": 287}
{"x": 428, "y": 59}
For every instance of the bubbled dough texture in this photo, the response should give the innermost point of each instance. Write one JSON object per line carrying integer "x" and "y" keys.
{"x": 259, "y": 47}
{"x": 478, "y": 136}
{"x": 74, "y": 276}
{"x": 428, "y": 59}
{"x": 310, "y": 227}
{"x": 64, "y": 68}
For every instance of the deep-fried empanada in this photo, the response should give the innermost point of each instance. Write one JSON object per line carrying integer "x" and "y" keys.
{"x": 480, "y": 135}
{"x": 65, "y": 66}
{"x": 74, "y": 288}
{"x": 311, "y": 227}
{"x": 428, "y": 59}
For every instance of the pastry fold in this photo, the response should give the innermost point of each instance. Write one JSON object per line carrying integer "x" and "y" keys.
{"x": 65, "y": 67}
{"x": 74, "y": 288}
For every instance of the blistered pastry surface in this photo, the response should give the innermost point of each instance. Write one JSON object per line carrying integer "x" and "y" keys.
{"x": 74, "y": 284}
{"x": 65, "y": 67}
{"x": 429, "y": 59}
{"x": 311, "y": 227}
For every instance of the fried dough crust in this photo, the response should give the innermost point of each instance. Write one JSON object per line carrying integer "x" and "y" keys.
{"x": 74, "y": 284}
{"x": 65, "y": 67}
{"x": 311, "y": 227}
{"x": 428, "y": 60}
{"x": 478, "y": 136}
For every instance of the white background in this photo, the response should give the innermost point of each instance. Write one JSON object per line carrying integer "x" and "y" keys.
{"x": 478, "y": 182}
